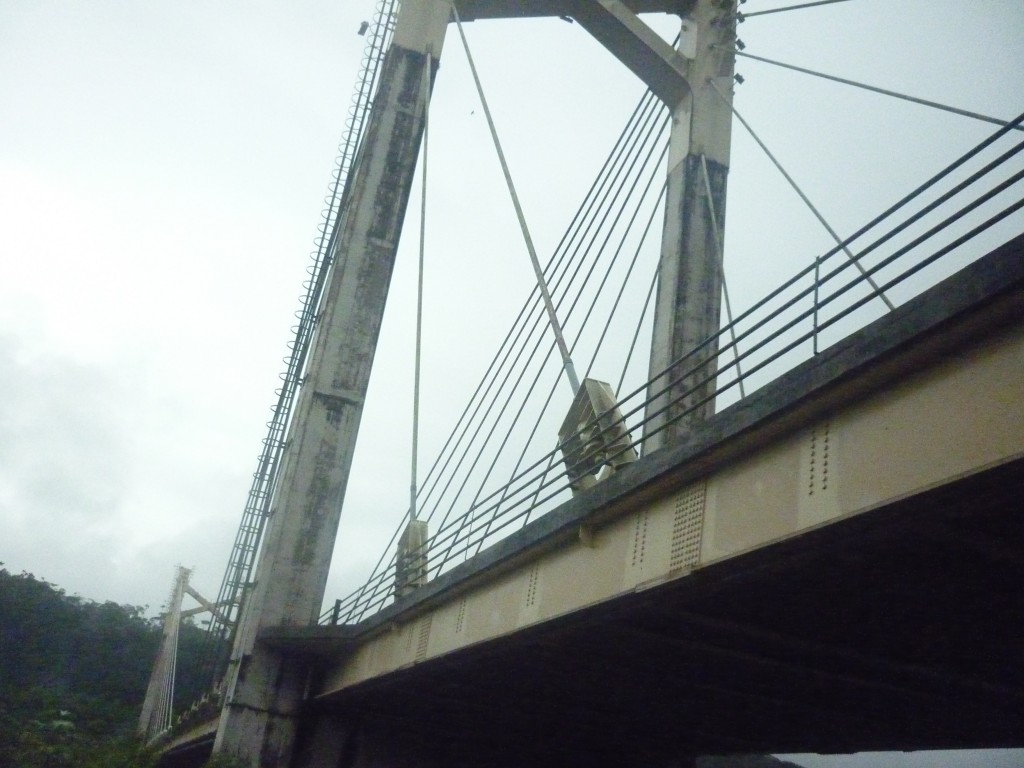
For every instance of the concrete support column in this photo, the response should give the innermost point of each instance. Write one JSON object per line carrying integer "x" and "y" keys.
{"x": 264, "y": 690}
{"x": 687, "y": 309}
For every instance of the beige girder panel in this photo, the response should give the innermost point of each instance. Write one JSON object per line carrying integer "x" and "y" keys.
{"x": 963, "y": 415}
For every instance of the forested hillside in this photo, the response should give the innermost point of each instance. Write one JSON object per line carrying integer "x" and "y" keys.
{"x": 73, "y": 674}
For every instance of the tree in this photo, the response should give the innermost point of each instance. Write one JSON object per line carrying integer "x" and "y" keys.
{"x": 73, "y": 674}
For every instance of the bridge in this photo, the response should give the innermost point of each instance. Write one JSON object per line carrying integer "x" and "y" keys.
{"x": 768, "y": 586}
{"x": 798, "y": 532}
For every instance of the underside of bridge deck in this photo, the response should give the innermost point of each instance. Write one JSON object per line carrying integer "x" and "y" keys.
{"x": 899, "y": 629}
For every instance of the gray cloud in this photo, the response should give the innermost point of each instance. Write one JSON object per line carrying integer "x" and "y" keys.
{"x": 64, "y": 451}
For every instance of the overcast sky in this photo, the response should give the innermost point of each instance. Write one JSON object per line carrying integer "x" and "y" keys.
{"x": 162, "y": 172}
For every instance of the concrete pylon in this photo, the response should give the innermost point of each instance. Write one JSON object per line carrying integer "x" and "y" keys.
{"x": 263, "y": 689}
{"x": 158, "y": 706}
{"x": 687, "y": 309}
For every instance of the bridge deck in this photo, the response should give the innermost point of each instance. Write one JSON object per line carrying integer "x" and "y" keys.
{"x": 897, "y": 627}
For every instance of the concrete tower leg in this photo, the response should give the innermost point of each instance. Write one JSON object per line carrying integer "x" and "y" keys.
{"x": 264, "y": 690}
{"x": 687, "y": 309}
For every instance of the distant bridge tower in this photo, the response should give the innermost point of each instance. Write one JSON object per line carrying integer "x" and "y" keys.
{"x": 158, "y": 707}
{"x": 264, "y": 690}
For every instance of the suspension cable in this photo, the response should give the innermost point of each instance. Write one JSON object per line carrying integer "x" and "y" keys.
{"x": 578, "y": 293}
{"x": 615, "y": 253}
{"x": 474, "y": 529}
{"x": 443, "y": 533}
{"x": 474, "y": 532}
{"x": 641, "y": 119}
{"x": 636, "y": 331}
{"x": 817, "y": 214}
{"x": 615, "y": 183}
{"x": 606, "y": 180}
{"x": 485, "y": 524}
{"x": 475, "y": 506}
{"x": 584, "y": 219}
{"x": 873, "y": 88}
{"x": 604, "y": 331}
{"x": 419, "y": 290}
{"x": 570, "y": 370}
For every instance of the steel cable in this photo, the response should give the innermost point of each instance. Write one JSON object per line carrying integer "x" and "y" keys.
{"x": 586, "y": 279}
{"x": 563, "y": 263}
{"x": 608, "y": 179}
{"x": 443, "y": 531}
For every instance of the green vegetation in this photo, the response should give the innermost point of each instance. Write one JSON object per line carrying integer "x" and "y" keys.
{"x": 73, "y": 674}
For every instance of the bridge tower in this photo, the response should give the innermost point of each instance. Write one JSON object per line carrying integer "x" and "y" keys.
{"x": 157, "y": 707}
{"x": 264, "y": 690}
{"x": 157, "y": 713}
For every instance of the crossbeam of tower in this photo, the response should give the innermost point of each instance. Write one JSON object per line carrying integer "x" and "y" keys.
{"x": 265, "y": 690}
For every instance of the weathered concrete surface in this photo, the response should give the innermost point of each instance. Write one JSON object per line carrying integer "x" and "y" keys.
{"x": 687, "y": 308}
{"x": 658, "y": 65}
{"x": 264, "y": 688}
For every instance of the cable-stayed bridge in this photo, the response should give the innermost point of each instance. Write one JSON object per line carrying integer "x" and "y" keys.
{"x": 782, "y": 526}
